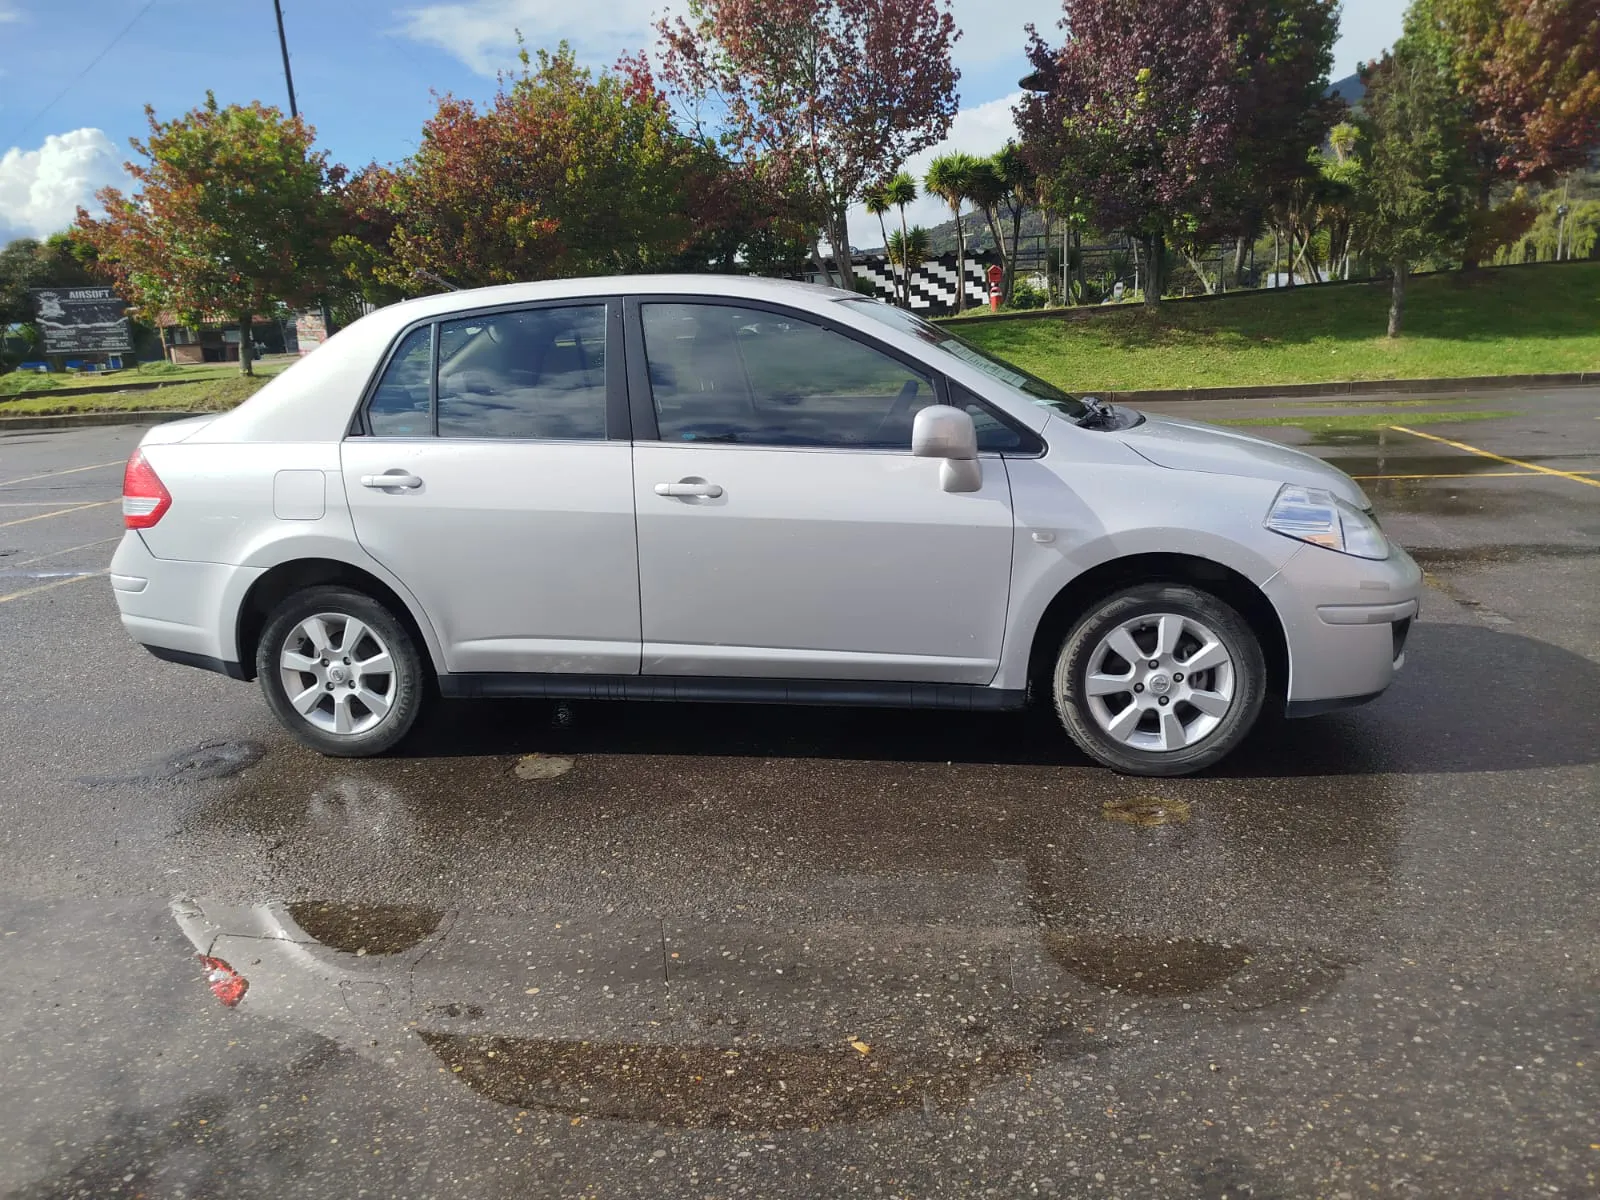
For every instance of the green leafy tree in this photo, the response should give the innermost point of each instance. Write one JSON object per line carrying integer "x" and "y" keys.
{"x": 235, "y": 211}
{"x": 950, "y": 177}
{"x": 29, "y": 263}
{"x": 844, "y": 90}
{"x": 1417, "y": 174}
{"x": 1528, "y": 72}
{"x": 563, "y": 173}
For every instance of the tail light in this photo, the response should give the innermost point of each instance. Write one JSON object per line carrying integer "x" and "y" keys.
{"x": 145, "y": 498}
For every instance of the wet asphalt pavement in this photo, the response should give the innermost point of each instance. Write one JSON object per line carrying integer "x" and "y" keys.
{"x": 706, "y": 951}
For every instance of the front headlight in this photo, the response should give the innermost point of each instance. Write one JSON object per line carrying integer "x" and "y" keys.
{"x": 1321, "y": 518}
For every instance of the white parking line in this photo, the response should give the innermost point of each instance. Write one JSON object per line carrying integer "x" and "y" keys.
{"x": 28, "y": 562}
{"x": 45, "y": 587}
{"x": 60, "y": 512}
{"x": 68, "y": 471}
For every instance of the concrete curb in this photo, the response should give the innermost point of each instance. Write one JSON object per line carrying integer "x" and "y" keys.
{"x": 87, "y": 420}
{"x": 1356, "y": 387}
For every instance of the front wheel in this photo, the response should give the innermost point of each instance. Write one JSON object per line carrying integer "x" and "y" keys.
{"x": 1161, "y": 679}
{"x": 340, "y": 672}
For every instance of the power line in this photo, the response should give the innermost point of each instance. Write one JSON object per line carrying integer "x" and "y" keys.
{"x": 93, "y": 63}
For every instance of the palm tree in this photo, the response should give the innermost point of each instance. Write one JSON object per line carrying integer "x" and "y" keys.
{"x": 907, "y": 250}
{"x": 949, "y": 177}
{"x": 986, "y": 190}
{"x": 901, "y": 191}
{"x": 1020, "y": 182}
{"x": 877, "y": 201}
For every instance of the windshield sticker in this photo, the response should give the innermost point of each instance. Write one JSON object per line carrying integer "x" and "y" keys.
{"x": 987, "y": 365}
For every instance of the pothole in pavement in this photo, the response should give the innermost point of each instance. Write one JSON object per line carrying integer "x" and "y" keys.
{"x": 541, "y": 766}
{"x": 1146, "y": 811}
{"x": 366, "y": 929}
{"x": 209, "y": 760}
{"x": 1144, "y": 966}
{"x": 777, "y": 1087}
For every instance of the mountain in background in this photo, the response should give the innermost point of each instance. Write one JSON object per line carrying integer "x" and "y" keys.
{"x": 1351, "y": 90}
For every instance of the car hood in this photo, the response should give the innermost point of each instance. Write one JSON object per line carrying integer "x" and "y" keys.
{"x": 1190, "y": 446}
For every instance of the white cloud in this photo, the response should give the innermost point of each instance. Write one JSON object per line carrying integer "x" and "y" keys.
{"x": 8, "y": 13}
{"x": 1366, "y": 29}
{"x": 992, "y": 30}
{"x": 981, "y": 130}
{"x": 483, "y": 33}
{"x": 40, "y": 190}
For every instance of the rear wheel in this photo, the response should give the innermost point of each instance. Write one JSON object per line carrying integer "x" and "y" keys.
{"x": 340, "y": 672}
{"x": 1162, "y": 679}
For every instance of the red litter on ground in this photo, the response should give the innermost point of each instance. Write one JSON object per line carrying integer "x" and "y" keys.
{"x": 227, "y": 985}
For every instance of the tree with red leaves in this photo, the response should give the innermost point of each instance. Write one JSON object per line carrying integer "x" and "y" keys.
{"x": 235, "y": 211}
{"x": 1173, "y": 120}
{"x": 1529, "y": 73}
{"x": 838, "y": 93}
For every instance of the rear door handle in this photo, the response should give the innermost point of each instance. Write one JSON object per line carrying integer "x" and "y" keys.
{"x": 712, "y": 490}
{"x": 391, "y": 479}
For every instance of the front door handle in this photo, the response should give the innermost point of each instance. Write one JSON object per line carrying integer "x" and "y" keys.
{"x": 688, "y": 488}
{"x": 391, "y": 479}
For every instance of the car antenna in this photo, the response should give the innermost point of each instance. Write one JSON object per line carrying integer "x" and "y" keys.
{"x": 432, "y": 278}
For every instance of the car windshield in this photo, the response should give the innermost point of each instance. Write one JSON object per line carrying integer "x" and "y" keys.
{"x": 1046, "y": 395}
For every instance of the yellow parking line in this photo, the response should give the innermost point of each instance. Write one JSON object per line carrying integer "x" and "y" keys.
{"x": 1515, "y": 462}
{"x": 1467, "y": 475}
{"x": 28, "y": 562}
{"x": 69, "y": 471}
{"x": 45, "y": 587}
{"x": 60, "y": 512}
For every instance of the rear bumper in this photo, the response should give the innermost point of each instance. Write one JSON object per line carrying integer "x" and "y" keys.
{"x": 1346, "y": 621}
{"x": 185, "y": 659}
{"x": 179, "y": 610}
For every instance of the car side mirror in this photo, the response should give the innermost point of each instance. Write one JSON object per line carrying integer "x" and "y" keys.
{"x": 941, "y": 431}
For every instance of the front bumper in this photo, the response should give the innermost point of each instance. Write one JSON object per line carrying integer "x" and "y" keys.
{"x": 1346, "y": 621}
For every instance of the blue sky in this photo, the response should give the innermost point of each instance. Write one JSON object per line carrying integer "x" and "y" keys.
{"x": 366, "y": 72}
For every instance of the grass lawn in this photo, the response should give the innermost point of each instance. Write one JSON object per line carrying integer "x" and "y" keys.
{"x": 1494, "y": 322}
{"x": 156, "y": 372}
{"x": 205, "y": 395}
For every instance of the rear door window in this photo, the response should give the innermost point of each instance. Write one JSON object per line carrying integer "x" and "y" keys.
{"x": 538, "y": 374}
{"x": 399, "y": 404}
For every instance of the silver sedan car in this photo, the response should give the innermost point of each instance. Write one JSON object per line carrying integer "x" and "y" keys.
{"x": 712, "y": 488}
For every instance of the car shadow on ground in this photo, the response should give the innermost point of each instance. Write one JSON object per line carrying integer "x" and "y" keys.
{"x": 1470, "y": 699}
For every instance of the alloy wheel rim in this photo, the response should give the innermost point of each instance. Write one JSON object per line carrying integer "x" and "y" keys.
{"x": 1160, "y": 682}
{"x": 338, "y": 674}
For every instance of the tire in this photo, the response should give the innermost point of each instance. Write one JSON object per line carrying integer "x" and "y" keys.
{"x": 1215, "y": 703}
{"x": 378, "y": 706}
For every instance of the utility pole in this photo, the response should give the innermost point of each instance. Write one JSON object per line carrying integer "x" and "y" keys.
{"x": 283, "y": 44}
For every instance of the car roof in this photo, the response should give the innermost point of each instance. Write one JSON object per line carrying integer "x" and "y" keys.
{"x": 751, "y": 287}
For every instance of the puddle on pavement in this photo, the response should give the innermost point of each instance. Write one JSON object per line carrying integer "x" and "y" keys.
{"x": 1147, "y": 967}
{"x": 366, "y": 929}
{"x": 209, "y": 760}
{"x": 1146, "y": 811}
{"x": 1413, "y": 464}
{"x": 1475, "y": 556}
{"x": 777, "y": 1087}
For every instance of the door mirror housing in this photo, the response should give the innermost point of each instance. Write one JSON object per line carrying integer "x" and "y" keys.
{"x": 941, "y": 431}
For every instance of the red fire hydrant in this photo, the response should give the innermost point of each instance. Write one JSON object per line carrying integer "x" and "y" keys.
{"x": 996, "y": 274}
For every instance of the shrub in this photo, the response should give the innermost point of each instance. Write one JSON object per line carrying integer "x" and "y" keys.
{"x": 1025, "y": 295}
